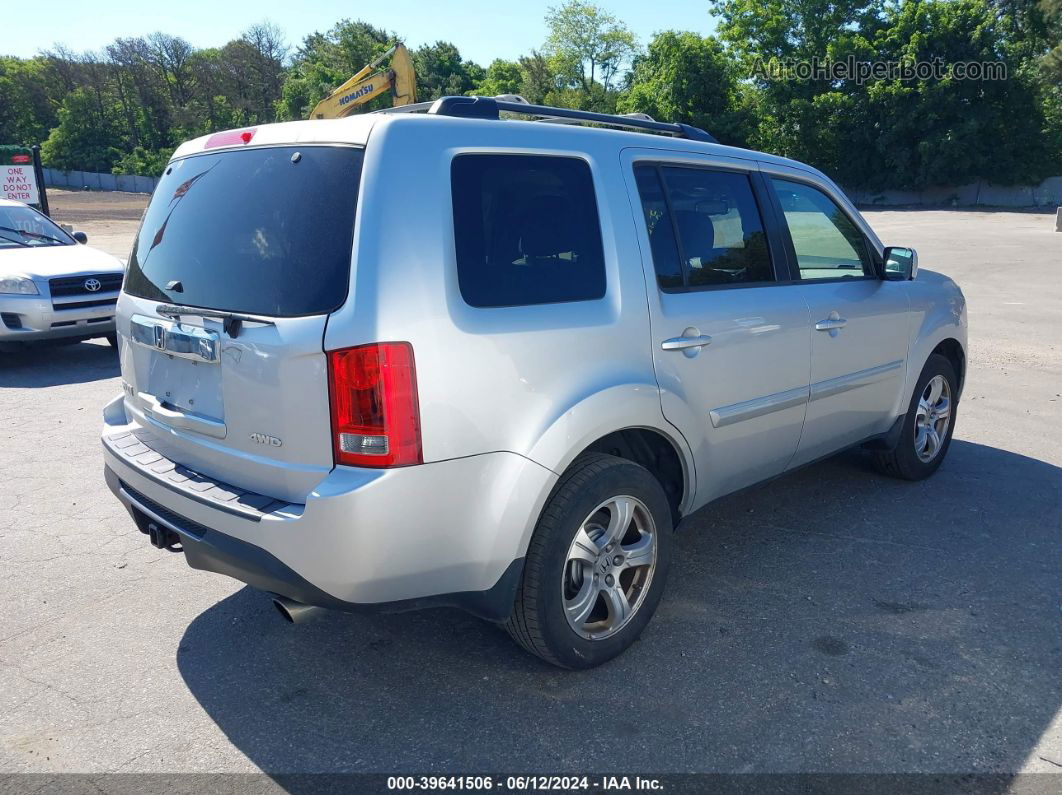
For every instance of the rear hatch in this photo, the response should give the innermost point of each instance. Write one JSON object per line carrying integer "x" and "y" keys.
{"x": 240, "y": 258}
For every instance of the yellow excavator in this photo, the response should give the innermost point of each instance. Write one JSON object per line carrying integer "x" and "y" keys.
{"x": 398, "y": 78}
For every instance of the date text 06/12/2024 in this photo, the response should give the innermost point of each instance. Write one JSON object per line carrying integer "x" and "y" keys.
{"x": 537, "y": 783}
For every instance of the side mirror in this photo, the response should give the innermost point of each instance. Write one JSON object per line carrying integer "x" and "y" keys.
{"x": 80, "y": 237}
{"x": 901, "y": 264}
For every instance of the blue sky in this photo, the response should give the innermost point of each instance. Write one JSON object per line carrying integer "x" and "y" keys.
{"x": 482, "y": 29}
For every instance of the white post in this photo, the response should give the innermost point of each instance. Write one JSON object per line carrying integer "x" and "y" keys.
{"x": 1058, "y": 220}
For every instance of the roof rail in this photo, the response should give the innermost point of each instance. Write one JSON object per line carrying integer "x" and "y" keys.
{"x": 490, "y": 108}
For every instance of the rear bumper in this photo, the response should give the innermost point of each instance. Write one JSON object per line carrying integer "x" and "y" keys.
{"x": 448, "y": 533}
{"x": 210, "y": 550}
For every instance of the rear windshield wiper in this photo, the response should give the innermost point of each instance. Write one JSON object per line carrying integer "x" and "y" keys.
{"x": 232, "y": 322}
{"x": 31, "y": 234}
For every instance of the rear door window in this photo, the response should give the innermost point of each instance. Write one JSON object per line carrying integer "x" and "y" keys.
{"x": 265, "y": 231}
{"x": 526, "y": 230}
{"x": 705, "y": 228}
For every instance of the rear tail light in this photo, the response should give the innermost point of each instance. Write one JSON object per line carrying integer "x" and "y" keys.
{"x": 373, "y": 399}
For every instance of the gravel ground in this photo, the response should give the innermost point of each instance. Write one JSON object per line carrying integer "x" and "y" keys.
{"x": 832, "y": 620}
{"x": 111, "y": 219}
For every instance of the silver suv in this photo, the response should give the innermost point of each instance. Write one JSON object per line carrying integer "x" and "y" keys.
{"x": 452, "y": 357}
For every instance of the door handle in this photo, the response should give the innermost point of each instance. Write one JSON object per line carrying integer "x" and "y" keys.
{"x": 831, "y": 323}
{"x": 683, "y": 343}
{"x": 176, "y": 418}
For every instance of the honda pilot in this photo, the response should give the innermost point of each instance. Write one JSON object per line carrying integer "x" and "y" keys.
{"x": 467, "y": 356}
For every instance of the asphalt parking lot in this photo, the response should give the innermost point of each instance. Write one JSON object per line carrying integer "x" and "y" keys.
{"x": 832, "y": 620}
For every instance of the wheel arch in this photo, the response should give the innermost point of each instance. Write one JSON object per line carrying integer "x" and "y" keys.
{"x": 625, "y": 421}
{"x": 952, "y": 350}
{"x": 653, "y": 450}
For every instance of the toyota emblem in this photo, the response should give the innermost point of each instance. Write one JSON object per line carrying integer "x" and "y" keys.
{"x": 93, "y": 285}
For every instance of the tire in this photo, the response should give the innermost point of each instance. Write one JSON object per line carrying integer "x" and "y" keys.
{"x": 595, "y": 491}
{"x": 112, "y": 338}
{"x": 904, "y": 461}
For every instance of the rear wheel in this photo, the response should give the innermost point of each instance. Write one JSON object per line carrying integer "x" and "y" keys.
{"x": 596, "y": 566}
{"x": 928, "y": 426}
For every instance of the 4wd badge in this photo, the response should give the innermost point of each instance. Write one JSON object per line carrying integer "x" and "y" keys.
{"x": 263, "y": 438}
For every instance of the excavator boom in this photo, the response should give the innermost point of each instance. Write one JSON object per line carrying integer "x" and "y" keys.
{"x": 400, "y": 79}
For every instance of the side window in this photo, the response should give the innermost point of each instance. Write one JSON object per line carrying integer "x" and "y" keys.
{"x": 826, "y": 242}
{"x": 661, "y": 230}
{"x": 706, "y": 231}
{"x": 526, "y": 230}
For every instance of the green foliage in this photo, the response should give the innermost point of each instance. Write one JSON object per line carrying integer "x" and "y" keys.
{"x": 683, "y": 77}
{"x": 25, "y": 91}
{"x": 896, "y": 133}
{"x": 327, "y": 60}
{"x": 501, "y": 77}
{"x": 126, "y": 108}
{"x": 85, "y": 137}
{"x": 950, "y": 131}
{"x": 441, "y": 72}
{"x": 1051, "y": 62}
{"x": 587, "y": 49}
{"x": 148, "y": 163}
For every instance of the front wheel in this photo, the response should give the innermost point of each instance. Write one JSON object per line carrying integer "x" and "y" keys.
{"x": 596, "y": 566}
{"x": 928, "y": 426}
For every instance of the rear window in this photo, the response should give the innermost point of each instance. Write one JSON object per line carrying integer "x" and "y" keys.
{"x": 263, "y": 231}
{"x": 526, "y": 230}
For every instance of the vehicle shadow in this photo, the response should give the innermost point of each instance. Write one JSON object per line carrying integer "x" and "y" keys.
{"x": 831, "y": 621}
{"x": 53, "y": 365}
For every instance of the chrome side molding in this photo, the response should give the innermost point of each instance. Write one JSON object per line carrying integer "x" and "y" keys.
{"x": 835, "y": 386}
{"x": 748, "y": 409}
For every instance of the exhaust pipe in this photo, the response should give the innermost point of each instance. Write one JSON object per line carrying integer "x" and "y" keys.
{"x": 295, "y": 612}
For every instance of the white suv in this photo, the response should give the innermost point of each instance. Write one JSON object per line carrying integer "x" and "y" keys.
{"x": 436, "y": 358}
{"x": 53, "y": 287}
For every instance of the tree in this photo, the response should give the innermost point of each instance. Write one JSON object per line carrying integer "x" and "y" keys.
{"x": 789, "y": 112}
{"x": 538, "y": 80}
{"x": 501, "y": 77}
{"x": 588, "y": 48}
{"x": 441, "y": 71}
{"x": 686, "y": 78}
{"x": 84, "y": 138}
{"x": 951, "y": 131}
{"x": 1051, "y": 61}
{"x": 895, "y": 132}
{"x": 26, "y": 91}
{"x": 326, "y": 60}
{"x": 270, "y": 50}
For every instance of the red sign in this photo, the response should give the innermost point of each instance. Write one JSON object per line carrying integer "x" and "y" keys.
{"x": 20, "y": 158}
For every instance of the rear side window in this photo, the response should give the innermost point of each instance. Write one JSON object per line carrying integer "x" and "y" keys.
{"x": 704, "y": 226}
{"x": 526, "y": 230}
{"x": 265, "y": 231}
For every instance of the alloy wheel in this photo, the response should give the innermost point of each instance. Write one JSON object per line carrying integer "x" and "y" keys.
{"x": 609, "y": 567}
{"x": 932, "y": 418}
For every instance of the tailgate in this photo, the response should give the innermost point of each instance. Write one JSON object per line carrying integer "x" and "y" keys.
{"x": 251, "y": 411}
{"x": 241, "y": 257}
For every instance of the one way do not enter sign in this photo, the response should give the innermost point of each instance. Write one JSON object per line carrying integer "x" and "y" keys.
{"x": 17, "y": 178}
